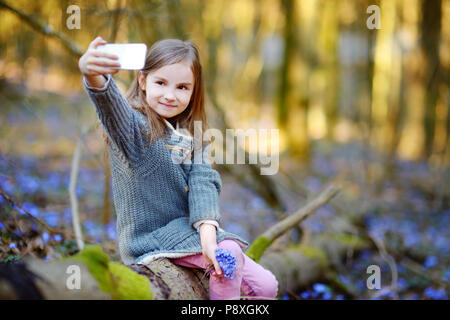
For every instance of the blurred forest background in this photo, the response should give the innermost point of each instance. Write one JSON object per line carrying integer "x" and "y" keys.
{"x": 368, "y": 109}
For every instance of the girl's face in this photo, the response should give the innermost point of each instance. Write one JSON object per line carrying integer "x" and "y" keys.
{"x": 168, "y": 89}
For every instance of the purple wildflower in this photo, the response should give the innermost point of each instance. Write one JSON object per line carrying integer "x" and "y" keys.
{"x": 227, "y": 262}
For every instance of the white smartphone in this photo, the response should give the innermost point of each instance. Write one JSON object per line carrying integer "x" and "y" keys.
{"x": 131, "y": 55}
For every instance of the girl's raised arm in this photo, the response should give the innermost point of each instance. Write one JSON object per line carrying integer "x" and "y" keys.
{"x": 114, "y": 112}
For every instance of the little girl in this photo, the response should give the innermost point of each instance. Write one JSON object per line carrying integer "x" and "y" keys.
{"x": 166, "y": 204}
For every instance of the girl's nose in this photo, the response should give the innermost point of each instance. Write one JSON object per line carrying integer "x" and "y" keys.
{"x": 168, "y": 95}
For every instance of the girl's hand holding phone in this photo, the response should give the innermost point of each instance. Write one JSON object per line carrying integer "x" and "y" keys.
{"x": 95, "y": 63}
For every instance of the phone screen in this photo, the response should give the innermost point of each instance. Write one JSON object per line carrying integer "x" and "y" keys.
{"x": 131, "y": 55}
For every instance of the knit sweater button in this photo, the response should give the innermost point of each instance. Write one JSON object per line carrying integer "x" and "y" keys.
{"x": 187, "y": 188}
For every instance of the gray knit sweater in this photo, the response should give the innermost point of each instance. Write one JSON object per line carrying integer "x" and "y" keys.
{"x": 157, "y": 199}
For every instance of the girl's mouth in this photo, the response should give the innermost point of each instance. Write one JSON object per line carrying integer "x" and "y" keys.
{"x": 168, "y": 105}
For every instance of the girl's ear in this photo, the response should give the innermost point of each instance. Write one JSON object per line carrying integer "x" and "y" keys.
{"x": 141, "y": 80}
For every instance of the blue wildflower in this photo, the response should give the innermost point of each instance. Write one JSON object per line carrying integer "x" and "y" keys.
{"x": 327, "y": 296}
{"x": 446, "y": 276}
{"x": 436, "y": 294}
{"x": 111, "y": 230}
{"x": 402, "y": 283}
{"x": 320, "y": 288}
{"x": 7, "y": 186}
{"x": 29, "y": 184}
{"x": 45, "y": 237}
{"x": 431, "y": 261}
{"x": 13, "y": 245}
{"x": 53, "y": 181}
{"x": 31, "y": 208}
{"x": 52, "y": 218}
{"x": 305, "y": 294}
{"x": 227, "y": 262}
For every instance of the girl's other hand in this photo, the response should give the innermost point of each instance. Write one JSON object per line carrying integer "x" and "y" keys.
{"x": 209, "y": 252}
{"x": 209, "y": 246}
{"x": 96, "y": 63}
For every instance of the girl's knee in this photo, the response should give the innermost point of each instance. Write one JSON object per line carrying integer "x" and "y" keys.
{"x": 272, "y": 288}
{"x": 231, "y": 245}
{"x": 268, "y": 287}
{"x": 236, "y": 250}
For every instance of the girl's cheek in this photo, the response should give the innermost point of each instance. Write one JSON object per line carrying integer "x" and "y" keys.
{"x": 154, "y": 89}
{"x": 185, "y": 96}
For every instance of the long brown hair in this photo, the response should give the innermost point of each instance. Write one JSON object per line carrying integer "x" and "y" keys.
{"x": 162, "y": 53}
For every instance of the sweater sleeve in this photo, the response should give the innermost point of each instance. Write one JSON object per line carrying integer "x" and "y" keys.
{"x": 117, "y": 118}
{"x": 197, "y": 224}
{"x": 204, "y": 190}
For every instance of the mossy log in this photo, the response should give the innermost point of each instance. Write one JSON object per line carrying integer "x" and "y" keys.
{"x": 294, "y": 266}
{"x": 100, "y": 279}
{"x": 299, "y": 265}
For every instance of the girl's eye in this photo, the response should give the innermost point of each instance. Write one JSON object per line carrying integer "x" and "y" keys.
{"x": 159, "y": 82}
{"x": 180, "y": 87}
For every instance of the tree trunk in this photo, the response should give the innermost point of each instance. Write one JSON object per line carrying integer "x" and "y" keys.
{"x": 430, "y": 38}
{"x": 284, "y": 86}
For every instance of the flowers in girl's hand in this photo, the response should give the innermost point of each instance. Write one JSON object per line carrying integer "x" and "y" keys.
{"x": 227, "y": 262}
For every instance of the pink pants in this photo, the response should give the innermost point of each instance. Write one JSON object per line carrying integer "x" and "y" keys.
{"x": 251, "y": 277}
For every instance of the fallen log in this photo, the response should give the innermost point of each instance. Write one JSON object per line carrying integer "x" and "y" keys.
{"x": 90, "y": 275}
{"x": 294, "y": 267}
{"x": 299, "y": 265}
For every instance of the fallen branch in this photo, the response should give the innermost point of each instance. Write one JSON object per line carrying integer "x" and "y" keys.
{"x": 261, "y": 243}
{"x": 13, "y": 203}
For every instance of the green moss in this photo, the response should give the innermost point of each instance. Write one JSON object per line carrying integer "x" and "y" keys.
{"x": 112, "y": 277}
{"x": 351, "y": 240}
{"x": 258, "y": 247}
{"x": 97, "y": 263}
{"x": 129, "y": 285}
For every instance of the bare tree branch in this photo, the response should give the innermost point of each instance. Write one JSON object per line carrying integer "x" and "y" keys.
{"x": 14, "y": 203}
{"x": 45, "y": 29}
{"x": 265, "y": 240}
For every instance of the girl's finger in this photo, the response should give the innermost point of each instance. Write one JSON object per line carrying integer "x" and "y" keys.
{"x": 105, "y": 62}
{"x": 96, "y": 42}
{"x": 217, "y": 268}
{"x": 102, "y": 70}
{"x": 101, "y": 54}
